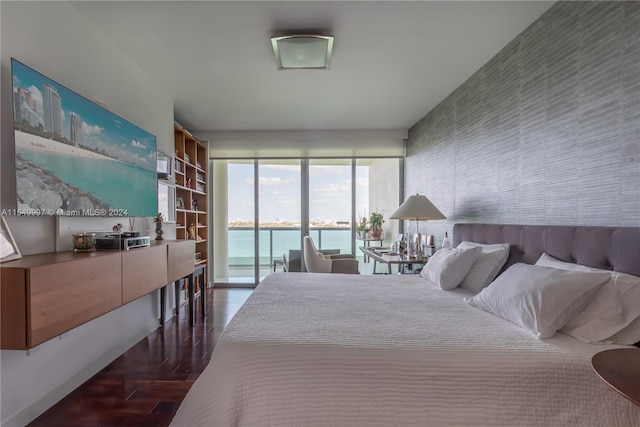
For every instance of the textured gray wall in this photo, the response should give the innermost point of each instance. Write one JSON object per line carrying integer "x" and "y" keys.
{"x": 547, "y": 132}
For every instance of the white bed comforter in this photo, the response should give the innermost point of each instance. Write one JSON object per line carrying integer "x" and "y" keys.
{"x": 349, "y": 350}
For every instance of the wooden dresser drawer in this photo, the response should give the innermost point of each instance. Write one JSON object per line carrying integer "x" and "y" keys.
{"x": 181, "y": 259}
{"x": 65, "y": 295}
{"x": 143, "y": 270}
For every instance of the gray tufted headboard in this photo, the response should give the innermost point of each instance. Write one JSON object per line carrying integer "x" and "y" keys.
{"x": 609, "y": 248}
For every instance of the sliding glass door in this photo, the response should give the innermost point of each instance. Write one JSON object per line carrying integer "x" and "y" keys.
{"x": 262, "y": 208}
{"x": 279, "y": 184}
{"x": 241, "y": 241}
{"x": 330, "y": 204}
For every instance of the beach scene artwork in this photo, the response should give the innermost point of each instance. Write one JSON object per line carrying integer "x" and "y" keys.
{"x": 75, "y": 157}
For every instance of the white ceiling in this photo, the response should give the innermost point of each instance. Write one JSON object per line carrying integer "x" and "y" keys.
{"x": 393, "y": 61}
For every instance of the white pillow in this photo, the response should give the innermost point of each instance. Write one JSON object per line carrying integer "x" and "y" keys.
{"x": 448, "y": 266}
{"x": 613, "y": 316}
{"x": 486, "y": 267}
{"x": 629, "y": 335}
{"x": 538, "y": 299}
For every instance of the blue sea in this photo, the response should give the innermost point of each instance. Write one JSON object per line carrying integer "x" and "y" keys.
{"x": 241, "y": 243}
{"x": 118, "y": 185}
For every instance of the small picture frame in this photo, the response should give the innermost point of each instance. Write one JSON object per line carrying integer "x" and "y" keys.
{"x": 8, "y": 248}
{"x": 164, "y": 166}
{"x": 179, "y": 203}
{"x": 166, "y": 201}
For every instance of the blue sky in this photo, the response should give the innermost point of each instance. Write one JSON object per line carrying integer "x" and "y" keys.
{"x": 100, "y": 128}
{"x": 329, "y": 192}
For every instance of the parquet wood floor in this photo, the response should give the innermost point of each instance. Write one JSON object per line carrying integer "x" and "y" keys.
{"x": 145, "y": 386}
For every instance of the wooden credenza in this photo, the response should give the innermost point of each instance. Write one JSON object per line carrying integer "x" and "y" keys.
{"x": 44, "y": 295}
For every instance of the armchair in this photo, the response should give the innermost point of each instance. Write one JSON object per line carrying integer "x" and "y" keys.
{"x": 292, "y": 260}
{"x": 316, "y": 262}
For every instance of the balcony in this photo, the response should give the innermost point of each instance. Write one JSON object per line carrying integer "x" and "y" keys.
{"x": 275, "y": 241}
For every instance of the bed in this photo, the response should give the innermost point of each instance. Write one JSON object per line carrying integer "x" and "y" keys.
{"x": 354, "y": 350}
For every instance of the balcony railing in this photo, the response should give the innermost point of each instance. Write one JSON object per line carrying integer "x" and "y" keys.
{"x": 275, "y": 241}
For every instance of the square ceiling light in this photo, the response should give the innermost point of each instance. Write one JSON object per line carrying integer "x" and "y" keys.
{"x": 294, "y": 52}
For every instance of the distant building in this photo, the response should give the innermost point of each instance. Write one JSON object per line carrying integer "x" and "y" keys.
{"x": 52, "y": 109}
{"x": 28, "y": 98}
{"x": 24, "y": 108}
{"x": 76, "y": 129}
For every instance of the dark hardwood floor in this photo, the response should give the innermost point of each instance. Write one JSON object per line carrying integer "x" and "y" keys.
{"x": 145, "y": 386}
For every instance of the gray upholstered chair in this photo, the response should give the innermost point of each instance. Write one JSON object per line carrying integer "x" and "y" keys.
{"x": 316, "y": 262}
{"x": 292, "y": 260}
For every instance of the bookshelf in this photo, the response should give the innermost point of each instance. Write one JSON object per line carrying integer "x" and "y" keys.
{"x": 190, "y": 169}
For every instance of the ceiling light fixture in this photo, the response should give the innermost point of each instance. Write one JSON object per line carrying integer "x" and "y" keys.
{"x": 302, "y": 51}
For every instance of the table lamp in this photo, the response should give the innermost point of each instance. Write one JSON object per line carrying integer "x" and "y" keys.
{"x": 417, "y": 208}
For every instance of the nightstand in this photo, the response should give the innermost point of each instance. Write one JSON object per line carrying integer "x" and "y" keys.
{"x": 620, "y": 369}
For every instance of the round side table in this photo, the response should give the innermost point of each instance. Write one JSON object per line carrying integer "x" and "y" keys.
{"x": 620, "y": 369}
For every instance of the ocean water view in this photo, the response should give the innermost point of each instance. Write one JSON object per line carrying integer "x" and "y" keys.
{"x": 127, "y": 187}
{"x": 276, "y": 241}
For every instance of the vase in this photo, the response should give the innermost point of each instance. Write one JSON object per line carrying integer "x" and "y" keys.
{"x": 83, "y": 241}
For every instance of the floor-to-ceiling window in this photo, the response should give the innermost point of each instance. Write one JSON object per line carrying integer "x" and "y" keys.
{"x": 280, "y": 224}
{"x": 378, "y": 190}
{"x": 330, "y": 204}
{"x": 241, "y": 240}
{"x": 263, "y": 207}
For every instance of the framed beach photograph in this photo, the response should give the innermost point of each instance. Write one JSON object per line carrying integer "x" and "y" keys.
{"x": 179, "y": 203}
{"x": 71, "y": 146}
{"x": 8, "y": 248}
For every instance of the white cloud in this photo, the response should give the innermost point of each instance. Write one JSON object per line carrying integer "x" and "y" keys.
{"x": 137, "y": 144}
{"x": 332, "y": 170}
{"x": 333, "y": 189}
{"x": 268, "y": 182}
{"x": 330, "y": 194}
{"x": 290, "y": 201}
{"x": 272, "y": 181}
{"x": 90, "y": 129}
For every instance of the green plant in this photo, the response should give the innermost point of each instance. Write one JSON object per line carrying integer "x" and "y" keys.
{"x": 376, "y": 219}
{"x": 362, "y": 226}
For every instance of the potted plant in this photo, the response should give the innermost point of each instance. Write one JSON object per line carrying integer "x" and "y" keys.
{"x": 362, "y": 228}
{"x": 376, "y": 219}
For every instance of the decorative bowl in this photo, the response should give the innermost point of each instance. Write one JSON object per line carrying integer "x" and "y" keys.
{"x": 84, "y": 241}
